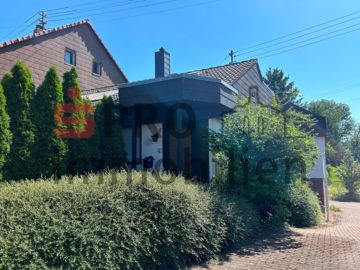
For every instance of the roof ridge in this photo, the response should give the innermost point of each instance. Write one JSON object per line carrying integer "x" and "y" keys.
{"x": 226, "y": 65}
{"x": 229, "y": 73}
{"x": 60, "y": 28}
{"x": 42, "y": 32}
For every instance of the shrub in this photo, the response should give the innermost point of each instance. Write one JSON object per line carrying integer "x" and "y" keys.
{"x": 336, "y": 186}
{"x": 49, "y": 152}
{"x": 19, "y": 91}
{"x": 5, "y": 134}
{"x": 81, "y": 151}
{"x": 112, "y": 147}
{"x": 304, "y": 206}
{"x": 141, "y": 225}
{"x": 350, "y": 173}
{"x": 260, "y": 151}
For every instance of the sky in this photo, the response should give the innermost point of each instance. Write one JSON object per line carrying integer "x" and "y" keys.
{"x": 200, "y": 34}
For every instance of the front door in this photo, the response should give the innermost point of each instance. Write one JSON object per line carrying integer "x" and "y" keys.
{"x": 152, "y": 143}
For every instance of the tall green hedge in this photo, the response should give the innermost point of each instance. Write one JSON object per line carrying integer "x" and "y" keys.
{"x": 5, "y": 134}
{"x": 81, "y": 151}
{"x": 49, "y": 152}
{"x": 116, "y": 225}
{"x": 19, "y": 92}
{"x": 112, "y": 147}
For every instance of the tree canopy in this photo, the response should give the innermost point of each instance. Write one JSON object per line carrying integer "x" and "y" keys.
{"x": 338, "y": 118}
{"x": 283, "y": 88}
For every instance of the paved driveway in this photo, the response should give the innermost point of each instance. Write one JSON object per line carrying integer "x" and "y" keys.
{"x": 332, "y": 246}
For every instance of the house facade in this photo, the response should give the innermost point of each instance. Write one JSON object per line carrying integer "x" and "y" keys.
{"x": 74, "y": 45}
{"x": 168, "y": 118}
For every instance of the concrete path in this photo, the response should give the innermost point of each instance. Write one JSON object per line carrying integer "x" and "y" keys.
{"x": 332, "y": 246}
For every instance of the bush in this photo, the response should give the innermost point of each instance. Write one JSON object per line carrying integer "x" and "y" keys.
{"x": 336, "y": 186}
{"x": 260, "y": 153}
{"x": 141, "y": 225}
{"x": 304, "y": 206}
{"x": 5, "y": 134}
{"x": 49, "y": 151}
{"x": 19, "y": 91}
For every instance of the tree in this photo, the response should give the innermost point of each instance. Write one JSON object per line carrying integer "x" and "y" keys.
{"x": 350, "y": 173}
{"x": 259, "y": 157}
{"x": 113, "y": 154}
{"x": 339, "y": 126}
{"x": 69, "y": 80}
{"x": 19, "y": 92}
{"x": 283, "y": 89}
{"x": 353, "y": 143}
{"x": 5, "y": 134}
{"x": 338, "y": 118}
{"x": 81, "y": 151}
{"x": 49, "y": 151}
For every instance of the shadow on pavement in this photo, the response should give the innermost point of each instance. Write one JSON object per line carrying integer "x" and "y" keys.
{"x": 267, "y": 240}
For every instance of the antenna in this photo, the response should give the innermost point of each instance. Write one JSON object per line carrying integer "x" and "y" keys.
{"x": 232, "y": 56}
{"x": 42, "y": 20}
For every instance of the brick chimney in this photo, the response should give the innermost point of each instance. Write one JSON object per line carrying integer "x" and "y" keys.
{"x": 162, "y": 63}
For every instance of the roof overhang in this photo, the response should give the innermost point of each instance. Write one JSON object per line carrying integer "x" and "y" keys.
{"x": 178, "y": 88}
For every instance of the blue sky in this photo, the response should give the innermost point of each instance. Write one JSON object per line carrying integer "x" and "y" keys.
{"x": 200, "y": 33}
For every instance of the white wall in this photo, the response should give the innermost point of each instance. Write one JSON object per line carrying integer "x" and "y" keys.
{"x": 319, "y": 170}
{"x": 148, "y": 147}
{"x": 214, "y": 125}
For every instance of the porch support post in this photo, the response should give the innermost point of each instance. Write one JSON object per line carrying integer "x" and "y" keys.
{"x": 179, "y": 142}
{"x": 133, "y": 135}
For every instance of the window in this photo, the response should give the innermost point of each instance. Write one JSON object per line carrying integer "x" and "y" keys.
{"x": 70, "y": 57}
{"x": 96, "y": 68}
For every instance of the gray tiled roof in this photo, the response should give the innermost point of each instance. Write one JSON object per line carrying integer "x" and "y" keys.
{"x": 229, "y": 73}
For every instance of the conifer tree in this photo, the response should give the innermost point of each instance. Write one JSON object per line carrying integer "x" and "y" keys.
{"x": 19, "y": 91}
{"x": 81, "y": 151}
{"x": 283, "y": 88}
{"x": 112, "y": 148}
{"x": 49, "y": 151}
{"x": 5, "y": 134}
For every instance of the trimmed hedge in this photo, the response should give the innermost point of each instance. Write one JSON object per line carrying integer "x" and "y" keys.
{"x": 304, "y": 206}
{"x": 141, "y": 225}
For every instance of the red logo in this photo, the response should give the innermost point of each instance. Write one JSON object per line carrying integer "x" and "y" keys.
{"x": 80, "y": 124}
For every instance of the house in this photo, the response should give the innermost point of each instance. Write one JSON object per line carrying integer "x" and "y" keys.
{"x": 168, "y": 117}
{"x": 73, "y": 45}
{"x": 180, "y": 108}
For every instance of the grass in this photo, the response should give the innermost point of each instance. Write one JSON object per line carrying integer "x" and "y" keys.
{"x": 335, "y": 208}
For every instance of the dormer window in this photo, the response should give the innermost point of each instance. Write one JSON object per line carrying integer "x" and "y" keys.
{"x": 97, "y": 68}
{"x": 70, "y": 57}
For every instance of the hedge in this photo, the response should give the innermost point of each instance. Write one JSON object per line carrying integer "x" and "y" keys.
{"x": 304, "y": 206}
{"x": 76, "y": 224}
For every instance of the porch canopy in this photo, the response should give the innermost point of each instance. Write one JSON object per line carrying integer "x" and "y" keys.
{"x": 182, "y": 105}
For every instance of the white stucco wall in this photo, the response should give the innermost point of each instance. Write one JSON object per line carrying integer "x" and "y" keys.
{"x": 214, "y": 125}
{"x": 319, "y": 170}
{"x": 150, "y": 148}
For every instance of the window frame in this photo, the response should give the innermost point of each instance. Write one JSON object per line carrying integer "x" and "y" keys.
{"x": 100, "y": 68}
{"x": 73, "y": 58}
